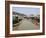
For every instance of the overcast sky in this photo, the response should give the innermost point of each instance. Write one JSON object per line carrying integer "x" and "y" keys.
{"x": 26, "y": 10}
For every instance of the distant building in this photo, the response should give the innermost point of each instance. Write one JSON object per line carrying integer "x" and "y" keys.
{"x": 19, "y": 15}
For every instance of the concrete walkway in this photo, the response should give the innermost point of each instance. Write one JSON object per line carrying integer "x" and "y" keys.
{"x": 26, "y": 25}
